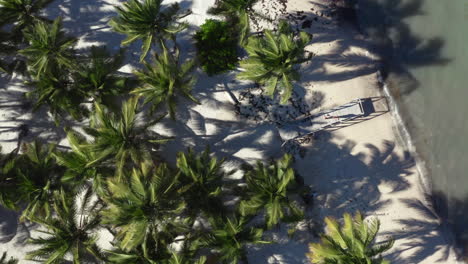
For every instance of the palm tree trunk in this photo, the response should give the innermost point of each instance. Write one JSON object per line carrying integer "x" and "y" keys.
{"x": 231, "y": 94}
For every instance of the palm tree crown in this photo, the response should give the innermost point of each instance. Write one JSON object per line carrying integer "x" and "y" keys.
{"x": 97, "y": 75}
{"x": 272, "y": 60}
{"x": 237, "y": 12}
{"x": 165, "y": 79}
{"x": 36, "y": 179}
{"x": 229, "y": 236}
{"x": 145, "y": 20}
{"x": 268, "y": 189}
{"x": 119, "y": 137}
{"x": 22, "y": 13}
{"x": 350, "y": 243}
{"x": 202, "y": 179}
{"x": 144, "y": 207}
{"x": 70, "y": 232}
{"x": 49, "y": 48}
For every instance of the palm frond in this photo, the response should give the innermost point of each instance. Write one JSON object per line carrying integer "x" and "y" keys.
{"x": 148, "y": 21}
{"x": 351, "y": 242}
{"x": 273, "y": 58}
{"x": 165, "y": 79}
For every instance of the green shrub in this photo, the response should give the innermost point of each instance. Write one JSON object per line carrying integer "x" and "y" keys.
{"x": 216, "y": 47}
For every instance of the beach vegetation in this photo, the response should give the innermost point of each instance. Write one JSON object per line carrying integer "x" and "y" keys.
{"x": 75, "y": 162}
{"x": 22, "y": 14}
{"x": 216, "y": 44}
{"x": 96, "y": 76}
{"x": 269, "y": 189}
{"x": 229, "y": 236}
{"x": 121, "y": 137}
{"x": 143, "y": 206}
{"x": 70, "y": 232}
{"x": 201, "y": 177}
{"x": 237, "y": 14}
{"x": 148, "y": 21}
{"x": 110, "y": 175}
{"x": 49, "y": 50}
{"x": 352, "y": 242}
{"x": 273, "y": 60}
{"x": 30, "y": 181}
{"x": 165, "y": 79}
{"x": 149, "y": 253}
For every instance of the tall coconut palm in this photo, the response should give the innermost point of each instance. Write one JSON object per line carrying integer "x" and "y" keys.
{"x": 50, "y": 50}
{"x": 268, "y": 189}
{"x": 202, "y": 178}
{"x": 167, "y": 78}
{"x": 148, "y": 21}
{"x": 273, "y": 59}
{"x": 352, "y": 242}
{"x": 229, "y": 236}
{"x": 146, "y": 206}
{"x": 97, "y": 75}
{"x": 57, "y": 92}
{"x": 75, "y": 161}
{"x": 70, "y": 233}
{"x": 22, "y": 13}
{"x": 38, "y": 178}
{"x": 9, "y": 197}
{"x": 145, "y": 254}
{"x": 3, "y": 259}
{"x": 237, "y": 13}
{"x": 121, "y": 137}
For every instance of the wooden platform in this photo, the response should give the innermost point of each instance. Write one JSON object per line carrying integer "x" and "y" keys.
{"x": 325, "y": 119}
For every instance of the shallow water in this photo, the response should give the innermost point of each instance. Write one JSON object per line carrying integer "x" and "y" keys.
{"x": 424, "y": 46}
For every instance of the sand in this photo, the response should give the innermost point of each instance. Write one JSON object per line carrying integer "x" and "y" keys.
{"x": 364, "y": 166}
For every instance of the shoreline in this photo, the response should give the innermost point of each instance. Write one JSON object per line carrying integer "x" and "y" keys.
{"x": 402, "y": 120}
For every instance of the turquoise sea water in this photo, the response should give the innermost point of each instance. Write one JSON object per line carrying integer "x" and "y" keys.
{"x": 424, "y": 46}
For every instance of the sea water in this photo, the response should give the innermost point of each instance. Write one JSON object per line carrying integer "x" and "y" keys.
{"x": 424, "y": 50}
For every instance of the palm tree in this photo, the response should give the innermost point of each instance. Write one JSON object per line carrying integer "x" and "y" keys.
{"x": 165, "y": 79}
{"x": 145, "y": 255}
{"x": 273, "y": 58}
{"x": 97, "y": 75}
{"x": 268, "y": 188}
{"x": 202, "y": 178}
{"x": 22, "y": 13}
{"x": 3, "y": 259}
{"x": 229, "y": 237}
{"x": 50, "y": 50}
{"x": 57, "y": 91}
{"x": 350, "y": 243}
{"x": 71, "y": 232}
{"x": 9, "y": 197}
{"x": 237, "y": 13}
{"x": 75, "y": 161}
{"x": 37, "y": 179}
{"x": 146, "y": 206}
{"x": 119, "y": 137}
{"x": 146, "y": 20}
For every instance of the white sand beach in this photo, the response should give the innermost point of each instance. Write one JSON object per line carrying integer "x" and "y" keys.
{"x": 363, "y": 166}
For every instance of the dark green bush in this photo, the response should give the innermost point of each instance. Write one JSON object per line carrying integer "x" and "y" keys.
{"x": 216, "y": 47}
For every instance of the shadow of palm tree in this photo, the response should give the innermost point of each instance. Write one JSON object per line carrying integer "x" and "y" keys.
{"x": 424, "y": 234}
{"x": 383, "y": 32}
